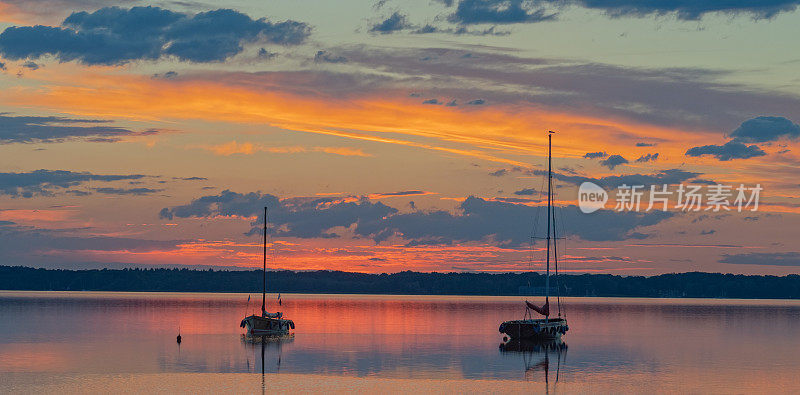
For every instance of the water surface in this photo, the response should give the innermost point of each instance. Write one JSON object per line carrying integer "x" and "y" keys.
{"x": 100, "y": 342}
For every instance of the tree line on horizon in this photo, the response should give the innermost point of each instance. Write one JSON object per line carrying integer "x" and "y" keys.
{"x": 675, "y": 285}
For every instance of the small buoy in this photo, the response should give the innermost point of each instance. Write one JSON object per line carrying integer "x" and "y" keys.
{"x": 179, "y": 339}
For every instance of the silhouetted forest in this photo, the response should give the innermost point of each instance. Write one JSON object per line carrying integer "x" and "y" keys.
{"x": 695, "y": 284}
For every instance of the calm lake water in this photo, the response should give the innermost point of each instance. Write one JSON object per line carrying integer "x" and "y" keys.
{"x": 66, "y": 342}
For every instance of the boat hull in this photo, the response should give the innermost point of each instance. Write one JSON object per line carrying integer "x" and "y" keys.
{"x": 535, "y": 329}
{"x": 267, "y": 326}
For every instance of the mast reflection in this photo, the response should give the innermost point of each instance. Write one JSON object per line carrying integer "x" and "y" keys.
{"x": 536, "y": 356}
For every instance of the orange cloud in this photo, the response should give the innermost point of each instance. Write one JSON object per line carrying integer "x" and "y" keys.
{"x": 247, "y": 148}
{"x": 493, "y": 133}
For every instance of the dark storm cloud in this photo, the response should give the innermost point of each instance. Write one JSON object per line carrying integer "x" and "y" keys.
{"x": 114, "y": 36}
{"x": 44, "y": 182}
{"x": 728, "y": 151}
{"x": 395, "y": 22}
{"x": 498, "y": 12}
{"x": 34, "y": 129}
{"x": 763, "y": 258}
{"x": 594, "y": 155}
{"x": 647, "y": 158}
{"x": 684, "y": 9}
{"x": 501, "y": 222}
{"x": 613, "y": 161}
{"x": 763, "y": 129}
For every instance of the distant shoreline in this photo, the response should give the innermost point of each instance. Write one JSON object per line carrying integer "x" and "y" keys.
{"x": 677, "y": 285}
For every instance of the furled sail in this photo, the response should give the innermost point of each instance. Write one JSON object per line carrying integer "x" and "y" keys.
{"x": 544, "y": 310}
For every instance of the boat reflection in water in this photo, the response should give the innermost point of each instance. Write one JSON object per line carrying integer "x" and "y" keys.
{"x": 272, "y": 345}
{"x": 536, "y": 356}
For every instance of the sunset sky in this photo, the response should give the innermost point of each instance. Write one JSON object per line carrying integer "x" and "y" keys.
{"x": 388, "y": 136}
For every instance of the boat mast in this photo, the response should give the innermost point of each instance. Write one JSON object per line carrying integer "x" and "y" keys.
{"x": 264, "y": 273}
{"x": 549, "y": 208}
{"x": 555, "y": 262}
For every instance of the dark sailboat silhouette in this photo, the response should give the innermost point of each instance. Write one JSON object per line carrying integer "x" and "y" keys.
{"x": 546, "y": 328}
{"x": 267, "y": 324}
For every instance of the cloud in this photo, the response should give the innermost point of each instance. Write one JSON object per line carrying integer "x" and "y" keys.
{"x": 44, "y": 182}
{"x": 476, "y": 102}
{"x": 266, "y": 55}
{"x": 670, "y": 177}
{"x": 764, "y": 129}
{"x": 431, "y": 101}
{"x": 247, "y": 148}
{"x": 685, "y": 10}
{"x": 31, "y": 65}
{"x": 763, "y": 258}
{"x": 497, "y": 12}
{"x": 757, "y": 130}
{"x": 402, "y": 193}
{"x": 191, "y": 178}
{"x": 115, "y": 36}
{"x": 502, "y": 223}
{"x": 461, "y": 31}
{"x": 395, "y": 22}
{"x": 688, "y": 97}
{"x": 167, "y": 76}
{"x": 645, "y": 144}
{"x": 526, "y": 192}
{"x": 127, "y": 191}
{"x": 327, "y": 57}
{"x": 25, "y": 244}
{"x": 728, "y": 151}
{"x": 613, "y": 161}
{"x": 506, "y": 224}
{"x": 647, "y": 158}
{"x": 594, "y": 155}
{"x": 297, "y": 217}
{"x": 34, "y": 129}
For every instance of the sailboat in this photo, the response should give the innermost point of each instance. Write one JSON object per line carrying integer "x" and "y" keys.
{"x": 547, "y": 328}
{"x": 266, "y": 324}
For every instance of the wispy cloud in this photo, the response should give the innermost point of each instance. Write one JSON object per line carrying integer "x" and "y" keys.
{"x": 45, "y": 182}
{"x": 247, "y": 148}
{"x": 50, "y": 129}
